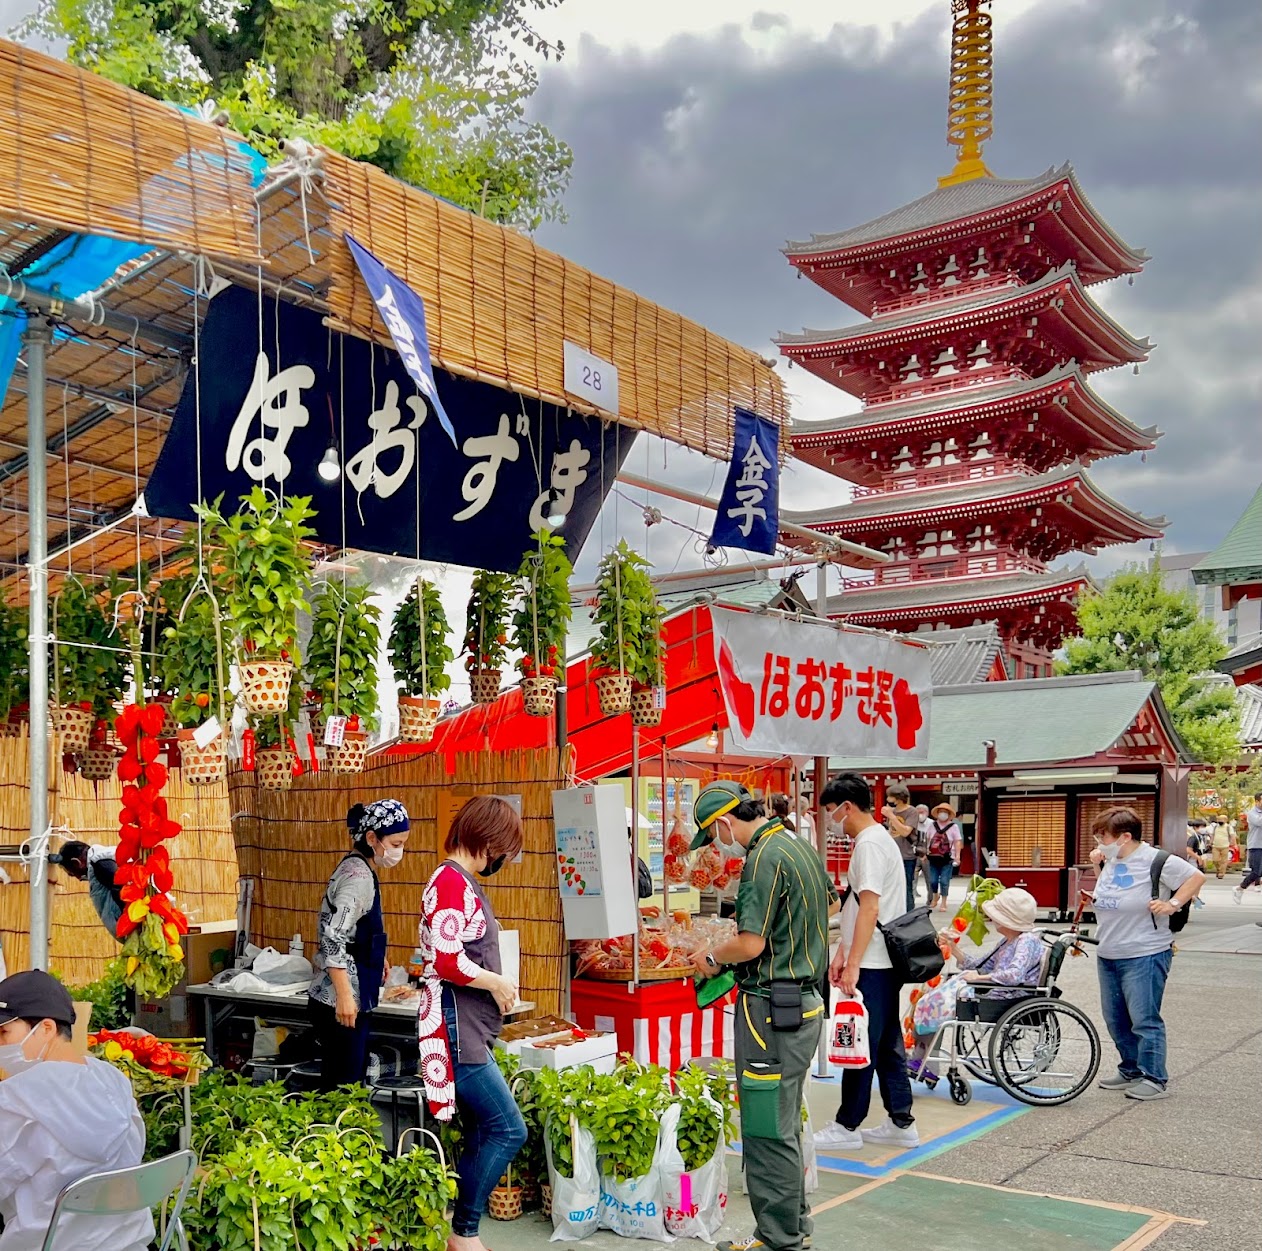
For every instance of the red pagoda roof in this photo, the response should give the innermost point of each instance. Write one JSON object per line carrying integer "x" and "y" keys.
{"x": 1068, "y": 323}
{"x": 1076, "y": 516}
{"x": 1067, "y": 408}
{"x": 853, "y": 264}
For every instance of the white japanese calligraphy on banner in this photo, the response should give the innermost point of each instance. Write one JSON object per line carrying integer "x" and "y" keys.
{"x": 802, "y": 689}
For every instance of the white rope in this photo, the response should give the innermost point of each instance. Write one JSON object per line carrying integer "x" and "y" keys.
{"x": 34, "y": 849}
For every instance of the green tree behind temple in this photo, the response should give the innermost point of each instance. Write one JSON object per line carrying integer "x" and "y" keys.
{"x": 431, "y": 91}
{"x": 1136, "y": 622}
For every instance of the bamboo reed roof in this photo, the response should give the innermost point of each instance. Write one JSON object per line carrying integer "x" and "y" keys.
{"x": 79, "y": 154}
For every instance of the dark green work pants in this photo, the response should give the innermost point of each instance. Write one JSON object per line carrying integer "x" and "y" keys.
{"x": 771, "y": 1070}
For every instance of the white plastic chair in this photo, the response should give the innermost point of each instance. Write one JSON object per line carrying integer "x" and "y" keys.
{"x": 126, "y": 1190}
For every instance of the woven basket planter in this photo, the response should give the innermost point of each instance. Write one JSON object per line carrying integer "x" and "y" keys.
{"x": 316, "y": 720}
{"x": 643, "y": 712}
{"x": 10, "y": 729}
{"x": 97, "y": 764}
{"x": 265, "y": 685}
{"x": 540, "y": 695}
{"x": 170, "y": 727}
{"x": 74, "y": 725}
{"x": 351, "y": 756}
{"x": 274, "y": 768}
{"x": 485, "y": 685}
{"x": 505, "y": 1203}
{"x": 614, "y": 690}
{"x": 529, "y": 1192}
{"x": 417, "y": 718}
{"x": 202, "y": 766}
{"x": 545, "y": 1200}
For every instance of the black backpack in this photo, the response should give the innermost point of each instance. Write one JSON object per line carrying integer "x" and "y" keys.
{"x": 1177, "y": 919}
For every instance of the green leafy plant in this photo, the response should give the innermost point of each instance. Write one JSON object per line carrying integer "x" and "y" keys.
{"x": 560, "y": 1094}
{"x": 264, "y": 569}
{"x": 419, "y": 650}
{"x": 705, "y": 1113}
{"x": 15, "y": 682}
{"x": 541, "y": 621}
{"x": 630, "y": 1103}
{"x": 191, "y": 664}
{"x": 629, "y": 616}
{"x": 93, "y": 675}
{"x": 108, "y": 997}
{"x": 342, "y": 655}
{"x": 415, "y": 1193}
{"x": 486, "y": 620}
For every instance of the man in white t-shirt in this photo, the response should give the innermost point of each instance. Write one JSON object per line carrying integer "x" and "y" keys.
{"x": 877, "y": 893}
{"x": 1134, "y": 961}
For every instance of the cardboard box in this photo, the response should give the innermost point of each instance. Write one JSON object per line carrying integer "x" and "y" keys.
{"x": 598, "y": 1050}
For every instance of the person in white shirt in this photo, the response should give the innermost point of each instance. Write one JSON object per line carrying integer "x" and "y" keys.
{"x": 62, "y": 1117}
{"x": 877, "y": 893}
{"x": 1253, "y": 850}
{"x": 1133, "y": 929}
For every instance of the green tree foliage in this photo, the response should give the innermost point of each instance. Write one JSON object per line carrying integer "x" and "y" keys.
{"x": 1136, "y": 622}
{"x": 431, "y": 91}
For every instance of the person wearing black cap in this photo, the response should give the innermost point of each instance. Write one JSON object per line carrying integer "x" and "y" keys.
{"x": 350, "y": 959}
{"x": 780, "y": 954}
{"x": 62, "y": 1117}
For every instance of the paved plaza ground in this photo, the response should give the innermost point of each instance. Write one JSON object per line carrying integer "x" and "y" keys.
{"x": 1101, "y": 1174}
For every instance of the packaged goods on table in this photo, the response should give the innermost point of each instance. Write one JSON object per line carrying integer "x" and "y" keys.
{"x": 666, "y": 949}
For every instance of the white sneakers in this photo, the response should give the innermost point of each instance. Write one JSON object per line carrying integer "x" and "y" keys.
{"x": 1236, "y": 894}
{"x": 837, "y": 1137}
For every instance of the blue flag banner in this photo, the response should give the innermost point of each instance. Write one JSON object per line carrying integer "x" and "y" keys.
{"x": 748, "y": 516}
{"x": 271, "y": 410}
{"x": 403, "y": 311}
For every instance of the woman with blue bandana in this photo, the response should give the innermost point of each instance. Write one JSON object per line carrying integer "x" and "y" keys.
{"x": 350, "y": 959}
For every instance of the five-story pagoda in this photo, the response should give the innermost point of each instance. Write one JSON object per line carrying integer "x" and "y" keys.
{"x": 969, "y": 454}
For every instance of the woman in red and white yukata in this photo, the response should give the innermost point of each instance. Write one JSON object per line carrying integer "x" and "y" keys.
{"x": 464, "y": 996}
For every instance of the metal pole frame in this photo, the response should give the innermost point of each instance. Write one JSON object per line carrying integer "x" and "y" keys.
{"x": 37, "y": 337}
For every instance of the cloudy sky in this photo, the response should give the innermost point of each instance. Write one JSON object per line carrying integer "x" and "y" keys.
{"x": 706, "y": 132}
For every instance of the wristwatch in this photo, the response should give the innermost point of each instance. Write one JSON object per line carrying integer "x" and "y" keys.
{"x": 712, "y": 962}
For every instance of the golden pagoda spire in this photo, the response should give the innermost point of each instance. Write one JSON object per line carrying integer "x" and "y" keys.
{"x": 969, "y": 104}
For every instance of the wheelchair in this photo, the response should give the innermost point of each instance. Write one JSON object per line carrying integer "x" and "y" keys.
{"x": 1033, "y": 1045}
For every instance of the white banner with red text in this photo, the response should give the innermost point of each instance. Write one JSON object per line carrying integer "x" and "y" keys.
{"x": 796, "y": 688}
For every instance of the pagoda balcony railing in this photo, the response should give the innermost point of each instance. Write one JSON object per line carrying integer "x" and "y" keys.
{"x": 976, "y": 375}
{"x": 945, "y": 475}
{"x": 952, "y": 565}
{"x": 966, "y": 287}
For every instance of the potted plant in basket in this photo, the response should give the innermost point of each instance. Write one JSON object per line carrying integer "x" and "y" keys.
{"x": 420, "y": 654}
{"x": 87, "y": 680}
{"x": 265, "y": 572}
{"x": 486, "y": 632}
{"x": 14, "y": 669}
{"x": 541, "y": 621}
{"x": 270, "y": 750}
{"x": 649, "y": 670}
{"x": 191, "y": 670}
{"x": 342, "y": 668}
{"x": 629, "y": 618}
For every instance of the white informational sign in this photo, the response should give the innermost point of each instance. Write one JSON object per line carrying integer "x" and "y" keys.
{"x": 594, "y": 862}
{"x": 591, "y": 378}
{"x": 206, "y": 733}
{"x": 802, "y": 689}
{"x": 334, "y": 731}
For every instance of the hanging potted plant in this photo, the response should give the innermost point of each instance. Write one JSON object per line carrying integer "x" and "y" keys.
{"x": 628, "y": 617}
{"x": 342, "y": 669}
{"x": 191, "y": 670}
{"x": 270, "y": 749}
{"x": 649, "y": 669}
{"x": 486, "y": 632}
{"x": 266, "y": 575}
{"x": 541, "y": 621}
{"x": 88, "y": 678}
{"x": 15, "y": 680}
{"x": 420, "y": 654}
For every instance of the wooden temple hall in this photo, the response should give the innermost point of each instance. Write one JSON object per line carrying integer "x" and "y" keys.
{"x": 969, "y": 456}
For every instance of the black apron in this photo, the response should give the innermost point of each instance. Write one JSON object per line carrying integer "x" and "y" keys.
{"x": 368, "y": 949}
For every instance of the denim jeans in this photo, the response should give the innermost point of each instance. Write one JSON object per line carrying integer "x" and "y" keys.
{"x": 493, "y": 1133}
{"x": 1130, "y": 996}
{"x": 1254, "y": 873}
{"x": 940, "y": 878}
{"x": 880, "y": 989}
{"x": 909, "y": 870}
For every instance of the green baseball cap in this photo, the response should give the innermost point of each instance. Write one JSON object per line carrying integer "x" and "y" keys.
{"x": 715, "y": 800}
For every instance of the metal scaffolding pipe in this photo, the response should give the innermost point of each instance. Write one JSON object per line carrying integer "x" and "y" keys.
{"x": 37, "y": 337}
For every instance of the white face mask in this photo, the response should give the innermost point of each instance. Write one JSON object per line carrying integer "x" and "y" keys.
{"x": 389, "y": 857}
{"x": 728, "y": 849}
{"x": 1110, "y": 850}
{"x": 14, "y": 1060}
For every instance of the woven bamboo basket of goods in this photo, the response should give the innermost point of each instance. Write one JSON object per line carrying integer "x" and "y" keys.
{"x": 97, "y": 763}
{"x": 644, "y": 710}
{"x": 614, "y": 690}
{"x": 540, "y": 696}
{"x": 350, "y": 755}
{"x": 274, "y": 768}
{"x": 265, "y": 685}
{"x": 485, "y": 685}
{"x": 545, "y": 1200}
{"x": 202, "y": 766}
{"x": 418, "y": 717}
{"x": 74, "y": 725}
{"x": 505, "y": 1201}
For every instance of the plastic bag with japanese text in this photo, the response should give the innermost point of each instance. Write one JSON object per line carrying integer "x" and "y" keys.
{"x": 696, "y": 1202}
{"x": 635, "y": 1207}
{"x": 575, "y": 1200}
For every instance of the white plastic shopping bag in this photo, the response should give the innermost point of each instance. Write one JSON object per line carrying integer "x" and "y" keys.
{"x": 635, "y": 1207}
{"x": 809, "y": 1167}
{"x": 696, "y": 1202}
{"x": 575, "y": 1200}
{"x": 848, "y": 1033}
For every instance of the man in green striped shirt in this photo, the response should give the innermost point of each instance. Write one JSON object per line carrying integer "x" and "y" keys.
{"x": 782, "y": 911}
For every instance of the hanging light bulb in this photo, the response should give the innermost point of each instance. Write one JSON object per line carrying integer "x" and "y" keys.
{"x": 556, "y": 519}
{"x": 712, "y": 739}
{"x": 330, "y": 467}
